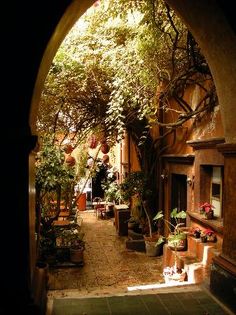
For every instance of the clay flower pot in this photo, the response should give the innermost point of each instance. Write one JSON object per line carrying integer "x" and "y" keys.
{"x": 68, "y": 148}
{"x": 105, "y": 148}
{"x": 209, "y": 215}
{"x": 70, "y": 160}
{"x": 93, "y": 142}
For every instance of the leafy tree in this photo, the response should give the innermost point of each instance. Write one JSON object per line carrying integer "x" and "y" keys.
{"x": 106, "y": 74}
{"x": 54, "y": 181}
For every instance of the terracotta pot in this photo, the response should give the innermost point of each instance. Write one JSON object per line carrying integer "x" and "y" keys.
{"x": 68, "y": 148}
{"x": 197, "y": 234}
{"x": 204, "y": 239}
{"x": 70, "y": 160}
{"x": 77, "y": 255}
{"x": 93, "y": 142}
{"x": 176, "y": 243}
{"x": 105, "y": 148}
{"x": 209, "y": 215}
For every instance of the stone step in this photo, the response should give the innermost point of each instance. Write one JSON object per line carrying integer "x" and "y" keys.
{"x": 204, "y": 252}
{"x": 197, "y": 268}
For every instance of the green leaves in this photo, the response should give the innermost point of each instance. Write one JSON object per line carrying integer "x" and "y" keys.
{"x": 51, "y": 171}
{"x": 178, "y": 215}
{"x": 158, "y": 216}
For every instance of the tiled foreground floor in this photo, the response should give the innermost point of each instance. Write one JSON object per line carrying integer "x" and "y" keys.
{"x": 106, "y": 282}
{"x": 195, "y": 303}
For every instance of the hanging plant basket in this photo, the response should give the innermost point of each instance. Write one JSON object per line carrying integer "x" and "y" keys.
{"x": 70, "y": 160}
{"x": 93, "y": 142}
{"x": 105, "y": 148}
{"x": 68, "y": 148}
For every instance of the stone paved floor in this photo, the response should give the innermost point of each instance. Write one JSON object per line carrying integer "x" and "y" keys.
{"x": 107, "y": 262}
{"x": 109, "y": 269}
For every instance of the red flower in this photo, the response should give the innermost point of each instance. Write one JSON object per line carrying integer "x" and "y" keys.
{"x": 208, "y": 232}
{"x": 206, "y": 207}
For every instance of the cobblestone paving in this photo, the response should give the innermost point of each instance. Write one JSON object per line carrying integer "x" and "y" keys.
{"x": 107, "y": 263}
{"x": 109, "y": 270}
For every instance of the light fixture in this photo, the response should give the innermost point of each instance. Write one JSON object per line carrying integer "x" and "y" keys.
{"x": 190, "y": 180}
{"x": 164, "y": 175}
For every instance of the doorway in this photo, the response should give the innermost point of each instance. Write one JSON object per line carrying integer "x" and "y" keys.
{"x": 179, "y": 193}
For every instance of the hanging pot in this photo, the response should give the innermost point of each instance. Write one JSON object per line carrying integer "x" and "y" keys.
{"x": 105, "y": 148}
{"x": 93, "y": 142}
{"x": 68, "y": 148}
{"x": 70, "y": 160}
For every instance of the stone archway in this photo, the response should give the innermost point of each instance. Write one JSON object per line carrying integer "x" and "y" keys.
{"x": 210, "y": 24}
{"x": 70, "y": 16}
{"x": 45, "y": 23}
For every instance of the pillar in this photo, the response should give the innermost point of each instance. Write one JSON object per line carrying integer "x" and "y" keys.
{"x": 223, "y": 273}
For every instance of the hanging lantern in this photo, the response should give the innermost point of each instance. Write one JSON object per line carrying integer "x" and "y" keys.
{"x": 70, "y": 160}
{"x": 93, "y": 142}
{"x": 68, "y": 148}
{"x": 105, "y": 148}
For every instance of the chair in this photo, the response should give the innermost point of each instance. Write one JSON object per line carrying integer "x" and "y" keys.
{"x": 99, "y": 207}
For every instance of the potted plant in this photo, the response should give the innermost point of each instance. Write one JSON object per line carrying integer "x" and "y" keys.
{"x": 196, "y": 231}
{"x": 55, "y": 182}
{"x": 177, "y": 238}
{"x": 111, "y": 192}
{"x": 208, "y": 236}
{"x": 72, "y": 240}
{"x": 135, "y": 186}
{"x": 203, "y": 237}
{"x": 208, "y": 210}
{"x": 173, "y": 274}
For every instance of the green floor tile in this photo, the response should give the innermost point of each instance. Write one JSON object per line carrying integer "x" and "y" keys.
{"x": 151, "y": 304}
{"x": 90, "y": 306}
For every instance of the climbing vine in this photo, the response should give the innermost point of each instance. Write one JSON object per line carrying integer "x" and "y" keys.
{"x": 107, "y": 74}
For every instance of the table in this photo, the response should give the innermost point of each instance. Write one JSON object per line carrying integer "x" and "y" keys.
{"x": 64, "y": 215}
{"x": 122, "y": 215}
{"x": 61, "y": 223}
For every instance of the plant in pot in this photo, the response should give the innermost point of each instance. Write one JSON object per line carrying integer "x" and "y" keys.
{"x": 77, "y": 249}
{"x": 135, "y": 186}
{"x": 72, "y": 240}
{"x": 54, "y": 183}
{"x": 135, "y": 220}
{"x": 177, "y": 237}
{"x": 208, "y": 236}
{"x": 176, "y": 240}
{"x": 208, "y": 210}
{"x": 196, "y": 232}
{"x": 111, "y": 192}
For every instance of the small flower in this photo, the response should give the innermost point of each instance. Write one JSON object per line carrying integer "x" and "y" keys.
{"x": 206, "y": 207}
{"x": 196, "y": 230}
{"x": 209, "y": 235}
{"x": 209, "y": 232}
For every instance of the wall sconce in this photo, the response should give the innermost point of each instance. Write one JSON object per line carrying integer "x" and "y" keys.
{"x": 190, "y": 180}
{"x": 164, "y": 175}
